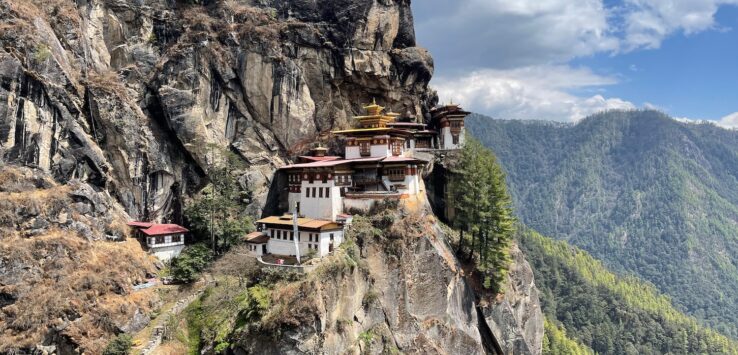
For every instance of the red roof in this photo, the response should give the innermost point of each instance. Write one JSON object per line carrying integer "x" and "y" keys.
{"x": 312, "y": 158}
{"x": 399, "y": 160}
{"x": 139, "y": 224}
{"x": 164, "y": 229}
{"x": 330, "y": 163}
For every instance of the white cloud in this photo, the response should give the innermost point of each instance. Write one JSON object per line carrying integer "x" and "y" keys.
{"x": 509, "y": 58}
{"x": 536, "y": 92}
{"x": 646, "y": 23}
{"x": 729, "y": 121}
{"x": 505, "y": 34}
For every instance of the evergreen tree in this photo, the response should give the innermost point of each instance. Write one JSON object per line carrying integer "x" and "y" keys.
{"x": 216, "y": 214}
{"x": 483, "y": 212}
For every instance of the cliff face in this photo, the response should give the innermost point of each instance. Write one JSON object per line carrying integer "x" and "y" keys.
{"x": 516, "y": 318}
{"x": 399, "y": 288}
{"x": 119, "y": 107}
{"x": 137, "y": 97}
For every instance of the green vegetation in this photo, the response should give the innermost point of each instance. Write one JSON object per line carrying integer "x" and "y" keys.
{"x": 188, "y": 265}
{"x": 607, "y": 313}
{"x": 216, "y": 214}
{"x": 556, "y": 342}
{"x": 644, "y": 193}
{"x": 42, "y": 53}
{"x": 120, "y": 345}
{"x": 483, "y": 213}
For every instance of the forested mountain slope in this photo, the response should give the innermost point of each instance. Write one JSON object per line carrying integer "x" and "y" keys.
{"x": 638, "y": 190}
{"x": 607, "y": 313}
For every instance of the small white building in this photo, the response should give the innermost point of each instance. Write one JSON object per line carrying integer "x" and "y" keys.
{"x": 257, "y": 243}
{"x": 316, "y": 236}
{"x": 450, "y": 122}
{"x": 165, "y": 241}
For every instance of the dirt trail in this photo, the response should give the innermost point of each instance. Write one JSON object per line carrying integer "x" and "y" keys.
{"x": 151, "y": 337}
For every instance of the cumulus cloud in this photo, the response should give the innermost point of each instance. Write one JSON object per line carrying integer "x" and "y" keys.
{"x": 505, "y": 34}
{"x": 729, "y": 121}
{"x": 646, "y": 23}
{"x": 535, "y": 92}
{"x": 510, "y": 58}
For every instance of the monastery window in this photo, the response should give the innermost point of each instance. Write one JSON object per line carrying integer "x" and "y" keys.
{"x": 395, "y": 174}
{"x": 292, "y": 235}
{"x": 272, "y": 233}
{"x": 331, "y": 237}
{"x": 176, "y": 238}
{"x": 325, "y": 178}
{"x": 364, "y": 148}
{"x": 159, "y": 239}
{"x": 320, "y": 191}
{"x": 307, "y": 192}
{"x": 314, "y": 193}
{"x": 327, "y": 192}
{"x": 455, "y": 139}
{"x": 396, "y": 148}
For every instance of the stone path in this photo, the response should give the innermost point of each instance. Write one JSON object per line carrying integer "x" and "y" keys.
{"x": 159, "y": 324}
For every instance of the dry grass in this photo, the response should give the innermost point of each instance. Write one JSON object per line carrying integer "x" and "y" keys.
{"x": 107, "y": 81}
{"x": 293, "y": 304}
{"x": 62, "y": 279}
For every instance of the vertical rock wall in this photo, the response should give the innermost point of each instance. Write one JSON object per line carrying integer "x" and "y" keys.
{"x": 139, "y": 97}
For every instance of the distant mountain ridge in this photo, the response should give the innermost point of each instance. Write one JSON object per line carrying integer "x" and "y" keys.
{"x": 640, "y": 191}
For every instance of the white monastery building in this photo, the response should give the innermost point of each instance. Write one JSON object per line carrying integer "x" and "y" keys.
{"x": 377, "y": 165}
{"x": 165, "y": 241}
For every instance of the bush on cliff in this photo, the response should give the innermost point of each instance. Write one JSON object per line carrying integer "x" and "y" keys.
{"x": 188, "y": 265}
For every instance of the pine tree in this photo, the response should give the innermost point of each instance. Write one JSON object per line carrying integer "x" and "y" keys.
{"x": 483, "y": 212}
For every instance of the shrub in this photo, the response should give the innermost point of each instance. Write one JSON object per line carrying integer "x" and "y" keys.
{"x": 370, "y": 297}
{"x": 188, "y": 265}
{"x": 120, "y": 345}
{"x": 42, "y": 53}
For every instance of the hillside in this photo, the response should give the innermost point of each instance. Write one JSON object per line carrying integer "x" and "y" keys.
{"x": 67, "y": 271}
{"x": 638, "y": 190}
{"x": 608, "y": 313}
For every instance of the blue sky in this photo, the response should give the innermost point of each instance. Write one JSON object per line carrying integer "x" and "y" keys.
{"x": 565, "y": 59}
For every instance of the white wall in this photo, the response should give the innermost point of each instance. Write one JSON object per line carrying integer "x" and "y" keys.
{"x": 166, "y": 253}
{"x": 292, "y": 197}
{"x": 448, "y": 139}
{"x": 359, "y": 204}
{"x": 321, "y": 240}
{"x": 255, "y": 249}
{"x": 317, "y": 207}
{"x": 352, "y": 152}
{"x": 150, "y": 241}
{"x": 380, "y": 150}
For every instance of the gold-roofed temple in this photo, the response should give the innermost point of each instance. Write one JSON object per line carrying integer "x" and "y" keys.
{"x": 384, "y": 156}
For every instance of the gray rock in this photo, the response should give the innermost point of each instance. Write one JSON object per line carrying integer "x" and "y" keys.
{"x": 517, "y": 319}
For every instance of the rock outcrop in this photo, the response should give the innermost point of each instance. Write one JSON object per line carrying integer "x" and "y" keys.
{"x": 140, "y": 97}
{"x": 516, "y": 318}
{"x": 395, "y": 288}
